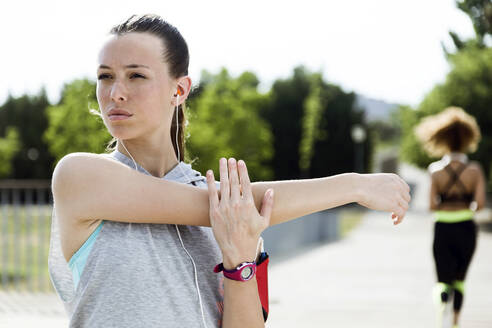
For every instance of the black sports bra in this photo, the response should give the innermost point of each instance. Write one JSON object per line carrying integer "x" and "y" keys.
{"x": 454, "y": 178}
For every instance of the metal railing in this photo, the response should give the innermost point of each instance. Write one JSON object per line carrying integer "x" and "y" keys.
{"x": 25, "y": 221}
{"x": 292, "y": 238}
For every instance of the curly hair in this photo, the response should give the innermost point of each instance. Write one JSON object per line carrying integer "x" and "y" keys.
{"x": 452, "y": 130}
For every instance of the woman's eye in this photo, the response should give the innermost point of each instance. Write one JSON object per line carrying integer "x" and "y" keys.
{"x": 134, "y": 75}
{"x": 103, "y": 76}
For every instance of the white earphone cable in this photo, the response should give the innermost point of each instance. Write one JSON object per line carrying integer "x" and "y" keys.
{"x": 196, "y": 276}
{"x": 177, "y": 229}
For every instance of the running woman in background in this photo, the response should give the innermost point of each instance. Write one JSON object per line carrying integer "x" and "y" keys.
{"x": 457, "y": 190}
{"x": 135, "y": 249}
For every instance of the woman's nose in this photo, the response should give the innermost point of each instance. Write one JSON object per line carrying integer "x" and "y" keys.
{"x": 118, "y": 92}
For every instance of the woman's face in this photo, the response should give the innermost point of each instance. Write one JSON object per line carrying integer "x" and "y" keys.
{"x": 134, "y": 89}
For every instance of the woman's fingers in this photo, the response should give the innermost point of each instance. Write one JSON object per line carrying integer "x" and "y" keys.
{"x": 400, "y": 210}
{"x": 224, "y": 180}
{"x": 402, "y": 202}
{"x": 234, "y": 181}
{"x": 406, "y": 190}
{"x": 245, "y": 182}
{"x": 397, "y": 216}
{"x": 212, "y": 191}
{"x": 267, "y": 206}
{"x": 407, "y": 197}
{"x": 406, "y": 187}
{"x": 403, "y": 198}
{"x": 399, "y": 219}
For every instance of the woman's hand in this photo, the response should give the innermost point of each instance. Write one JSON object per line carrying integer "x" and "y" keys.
{"x": 385, "y": 192}
{"x": 235, "y": 221}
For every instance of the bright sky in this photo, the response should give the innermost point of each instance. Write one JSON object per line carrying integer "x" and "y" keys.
{"x": 383, "y": 49}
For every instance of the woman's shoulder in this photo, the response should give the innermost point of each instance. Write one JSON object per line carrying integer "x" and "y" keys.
{"x": 437, "y": 171}
{"x": 77, "y": 156}
{"x": 81, "y": 158}
{"x": 435, "y": 167}
{"x": 76, "y": 165}
{"x": 474, "y": 165}
{"x": 475, "y": 168}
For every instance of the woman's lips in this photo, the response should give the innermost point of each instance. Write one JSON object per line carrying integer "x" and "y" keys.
{"x": 118, "y": 117}
{"x": 117, "y": 114}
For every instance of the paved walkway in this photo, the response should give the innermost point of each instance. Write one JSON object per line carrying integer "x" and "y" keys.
{"x": 25, "y": 310}
{"x": 379, "y": 276}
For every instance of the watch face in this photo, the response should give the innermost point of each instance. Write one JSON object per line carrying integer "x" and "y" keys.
{"x": 246, "y": 272}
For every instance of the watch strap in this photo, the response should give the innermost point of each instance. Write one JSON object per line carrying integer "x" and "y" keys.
{"x": 237, "y": 272}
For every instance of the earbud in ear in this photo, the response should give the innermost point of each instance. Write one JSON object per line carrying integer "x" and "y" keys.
{"x": 179, "y": 91}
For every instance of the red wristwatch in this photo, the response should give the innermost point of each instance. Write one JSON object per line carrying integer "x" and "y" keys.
{"x": 243, "y": 272}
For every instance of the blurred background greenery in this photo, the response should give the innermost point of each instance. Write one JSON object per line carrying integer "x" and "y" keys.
{"x": 291, "y": 131}
{"x": 301, "y": 127}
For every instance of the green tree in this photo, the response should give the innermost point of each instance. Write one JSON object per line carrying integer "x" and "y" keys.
{"x": 72, "y": 128}
{"x": 310, "y": 132}
{"x": 311, "y": 122}
{"x": 285, "y": 116}
{"x": 225, "y": 122}
{"x": 9, "y": 147}
{"x": 27, "y": 114}
{"x": 480, "y": 13}
{"x": 386, "y": 132}
{"x": 467, "y": 85}
{"x": 334, "y": 149}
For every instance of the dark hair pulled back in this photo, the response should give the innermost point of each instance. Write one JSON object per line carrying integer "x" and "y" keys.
{"x": 175, "y": 54}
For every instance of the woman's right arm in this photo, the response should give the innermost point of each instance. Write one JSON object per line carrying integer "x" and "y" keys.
{"x": 90, "y": 187}
{"x": 479, "y": 192}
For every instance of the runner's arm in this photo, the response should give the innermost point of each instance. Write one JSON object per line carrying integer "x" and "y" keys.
{"x": 91, "y": 187}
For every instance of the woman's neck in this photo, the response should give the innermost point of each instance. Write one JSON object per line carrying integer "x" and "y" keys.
{"x": 157, "y": 158}
{"x": 455, "y": 156}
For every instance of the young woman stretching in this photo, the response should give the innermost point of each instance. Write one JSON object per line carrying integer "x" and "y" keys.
{"x": 134, "y": 225}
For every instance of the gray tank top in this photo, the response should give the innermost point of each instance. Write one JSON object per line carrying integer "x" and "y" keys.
{"x": 139, "y": 275}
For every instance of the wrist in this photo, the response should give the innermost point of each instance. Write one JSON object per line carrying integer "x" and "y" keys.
{"x": 358, "y": 189}
{"x": 233, "y": 256}
{"x": 231, "y": 261}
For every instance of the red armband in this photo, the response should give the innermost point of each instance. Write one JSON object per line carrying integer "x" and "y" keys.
{"x": 262, "y": 281}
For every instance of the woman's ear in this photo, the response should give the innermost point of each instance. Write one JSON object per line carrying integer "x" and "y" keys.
{"x": 183, "y": 88}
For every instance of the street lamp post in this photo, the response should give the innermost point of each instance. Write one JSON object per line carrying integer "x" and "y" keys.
{"x": 358, "y": 134}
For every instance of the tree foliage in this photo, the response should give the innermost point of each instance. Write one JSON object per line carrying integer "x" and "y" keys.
{"x": 300, "y": 128}
{"x": 311, "y": 132}
{"x": 224, "y": 121}
{"x": 311, "y": 121}
{"x": 334, "y": 150}
{"x": 72, "y": 128}
{"x": 284, "y": 115}
{"x": 27, "y": 115}
{"x": 480, "y": 13}
{"x": 9, "y": 147}
{"x": 467, "y": 85}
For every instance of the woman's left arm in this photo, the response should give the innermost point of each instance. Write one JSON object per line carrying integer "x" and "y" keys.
{"x": 295, "y": 198}
{"x": 237, "y": 226}
{"x": 433, "y": 195}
